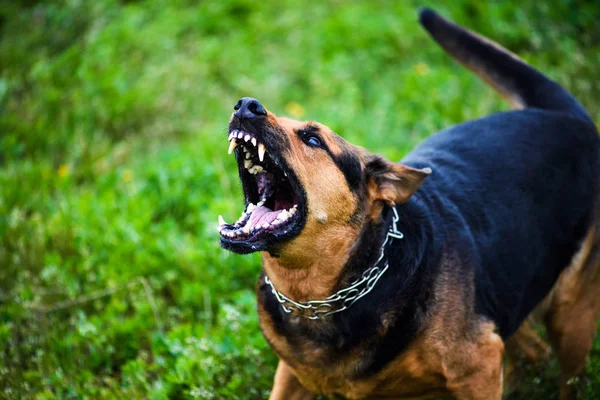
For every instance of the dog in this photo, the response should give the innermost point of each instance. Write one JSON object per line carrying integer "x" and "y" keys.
{"x": 406, "y": 280}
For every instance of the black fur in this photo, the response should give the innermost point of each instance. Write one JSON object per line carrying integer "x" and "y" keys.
{"x": 350, "y": 165}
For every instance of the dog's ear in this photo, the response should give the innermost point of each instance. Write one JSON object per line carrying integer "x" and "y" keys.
{"x": 392, "y": 183}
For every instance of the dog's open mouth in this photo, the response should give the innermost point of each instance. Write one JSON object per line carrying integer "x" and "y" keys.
{"x": 274, "y": 198}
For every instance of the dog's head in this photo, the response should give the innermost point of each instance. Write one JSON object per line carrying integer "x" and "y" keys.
{"x": 305, "y": 186}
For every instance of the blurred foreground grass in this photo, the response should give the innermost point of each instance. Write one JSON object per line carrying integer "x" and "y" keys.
{"x": 113, "y": 169}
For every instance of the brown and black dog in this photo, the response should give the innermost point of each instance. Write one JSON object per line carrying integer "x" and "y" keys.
{"x": 389, "y": 280}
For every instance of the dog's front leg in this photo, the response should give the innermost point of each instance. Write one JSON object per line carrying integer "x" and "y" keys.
{"x": 287, "y": 386}
{"x": 480, "y": 372}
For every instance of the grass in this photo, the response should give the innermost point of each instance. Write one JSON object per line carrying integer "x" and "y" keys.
{"x": 113, "y": 169}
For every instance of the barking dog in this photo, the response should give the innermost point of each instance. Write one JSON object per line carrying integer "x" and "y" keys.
{"x": 389, "y": 280}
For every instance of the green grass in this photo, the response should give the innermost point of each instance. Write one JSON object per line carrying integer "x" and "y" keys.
{"x": 113, "y": 169}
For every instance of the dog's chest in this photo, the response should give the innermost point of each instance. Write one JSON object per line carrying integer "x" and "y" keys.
{"x": 416, "y": 372}
{"x": 410, "y": 376}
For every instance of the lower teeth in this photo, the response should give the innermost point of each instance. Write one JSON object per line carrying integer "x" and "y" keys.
{"x": 236, "y": 230}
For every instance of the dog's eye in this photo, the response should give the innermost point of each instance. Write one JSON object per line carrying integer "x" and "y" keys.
{"x": 313, "y": 141}
{"x": 310, "y": 138}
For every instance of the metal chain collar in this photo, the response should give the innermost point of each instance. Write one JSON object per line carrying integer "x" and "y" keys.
{"x": 345, "y": 298}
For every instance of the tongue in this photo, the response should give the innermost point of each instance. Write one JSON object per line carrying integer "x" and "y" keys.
{"x": 261, "y": 216}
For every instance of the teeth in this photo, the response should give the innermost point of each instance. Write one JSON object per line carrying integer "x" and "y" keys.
{"x": 251, "y": 207}
{"x": 248, "y": 155}
{"x": 255, "y": 169}
{"x": 242, "y": 217}
{"x": 246, "y": 138}
{"x": 254, "y": 142}
{"x": 260, "y": 203}
{"x": 221, "y": 221}
{"x": 232, "y": 146}
{"x": 240, "y": 135}
{"x": 265, "y": 225}
{"x": 261, "y": 151}
{"x": 247, "y": 164}
{"x": 246, "y": 230}
{"x": 231, "y": 135}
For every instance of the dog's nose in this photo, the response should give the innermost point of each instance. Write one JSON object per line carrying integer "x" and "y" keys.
{"x": 247, "y": 108}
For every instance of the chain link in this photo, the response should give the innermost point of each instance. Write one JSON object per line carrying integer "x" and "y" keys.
{"x": 345, "y": 298}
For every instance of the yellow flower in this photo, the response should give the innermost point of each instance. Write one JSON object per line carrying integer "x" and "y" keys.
{"x": 294, "y": 109}
{"x": 421, "y": 69}
{"x": 127, "y": 176}
{"x": 63, "y": 171}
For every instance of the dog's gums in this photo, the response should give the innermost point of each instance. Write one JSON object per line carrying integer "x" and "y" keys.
{"x": 271, "y": 209}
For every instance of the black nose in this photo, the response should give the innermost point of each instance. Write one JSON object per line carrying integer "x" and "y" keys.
{"x": 247, "y": 107}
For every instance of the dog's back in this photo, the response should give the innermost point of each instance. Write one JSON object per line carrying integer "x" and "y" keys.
{"x": 519, "y": 188}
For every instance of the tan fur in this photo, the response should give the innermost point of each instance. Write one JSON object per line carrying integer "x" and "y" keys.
{"x": 525, "y": 342}
{"x": 396, "y": 184}
{"x": 572, "y": 309}
{"x": 287, "y": 387}
{"x": 525, "y": 345}
{"x": 310, "y": 278}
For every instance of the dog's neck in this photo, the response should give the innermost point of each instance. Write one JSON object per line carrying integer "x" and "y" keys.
{"x": 311, "y": 273}
{"x": 397, "y": 302}
{"x": 316, "y": 273}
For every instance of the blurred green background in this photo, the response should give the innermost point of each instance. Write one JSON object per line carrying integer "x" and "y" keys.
{"x": 113, "y": 169}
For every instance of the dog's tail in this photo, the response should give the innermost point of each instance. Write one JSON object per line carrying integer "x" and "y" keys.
{"x": 521, "y": 84}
